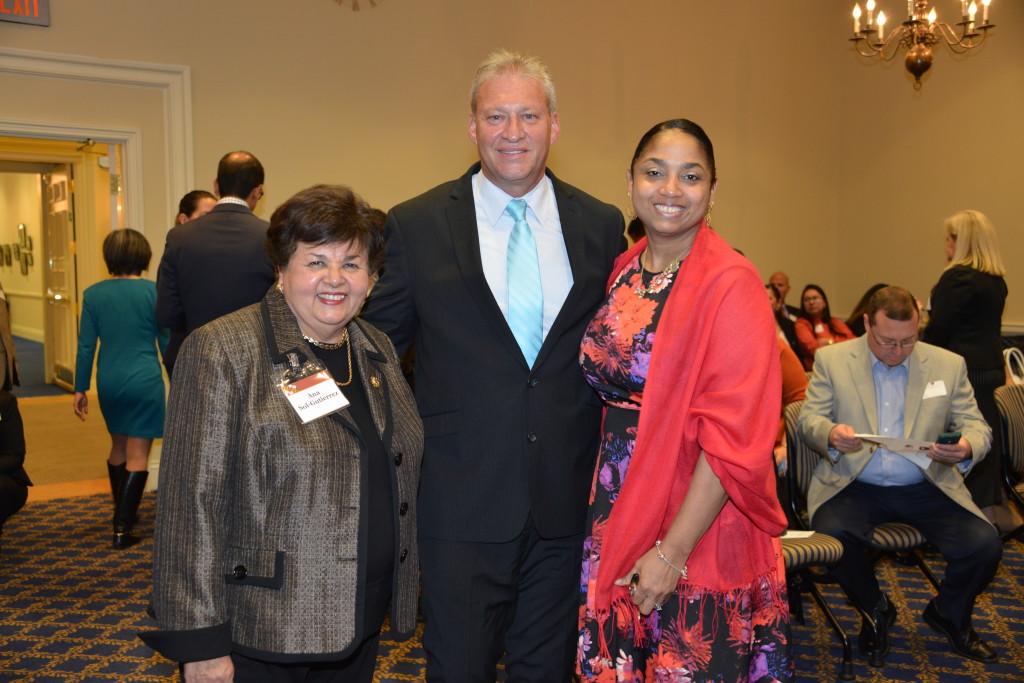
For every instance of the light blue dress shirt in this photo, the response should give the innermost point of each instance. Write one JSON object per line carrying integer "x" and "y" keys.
{"x": 886, "y": 468}
{"x": 494, "y": 225}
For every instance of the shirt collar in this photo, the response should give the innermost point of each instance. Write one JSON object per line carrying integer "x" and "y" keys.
{"x": 233, "y": 200}
{"x": 541, "y": 199}
{"x": 877, "y": 364}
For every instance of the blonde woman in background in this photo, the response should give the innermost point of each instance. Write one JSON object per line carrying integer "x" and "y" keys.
{"x": 966, "y": 315}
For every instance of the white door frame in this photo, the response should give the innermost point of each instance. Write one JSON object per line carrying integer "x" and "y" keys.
{"x": 172, "y": 81}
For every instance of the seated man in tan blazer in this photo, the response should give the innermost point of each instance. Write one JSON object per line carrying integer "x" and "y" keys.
{"x": 887, "y": 383}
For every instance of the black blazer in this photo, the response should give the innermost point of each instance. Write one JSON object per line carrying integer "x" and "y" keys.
{"x": 966, "y": 316}
{"x": 502, "y": 441}
{"x": 213, "y": 265}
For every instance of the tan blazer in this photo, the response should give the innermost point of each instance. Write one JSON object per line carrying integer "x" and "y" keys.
{"x": 244, "y": 483}
{"x": 842, "y": 391}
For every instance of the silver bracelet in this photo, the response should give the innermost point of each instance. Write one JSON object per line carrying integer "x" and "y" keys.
{"x": 682, "y": 572}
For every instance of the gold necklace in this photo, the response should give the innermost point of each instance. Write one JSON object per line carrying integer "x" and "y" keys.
{"x": 661, "y": 279}
{"x": 335, "y": 347}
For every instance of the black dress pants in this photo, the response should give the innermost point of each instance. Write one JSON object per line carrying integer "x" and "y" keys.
{"x": 970, "y": 545}
{"x": 481, "y": 600}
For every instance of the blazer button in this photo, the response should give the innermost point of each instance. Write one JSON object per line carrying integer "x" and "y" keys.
{"x": 531, "y": 437}
{"x": 405, "y": 554}
{"x": 533, "y": 382}
{"x": 403, "y": 508}
{"x": 398, "y": 458}
{"x": 240, "y": 572}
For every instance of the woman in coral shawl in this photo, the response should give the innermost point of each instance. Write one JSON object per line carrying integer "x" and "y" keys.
{"x": 683, "y": 577}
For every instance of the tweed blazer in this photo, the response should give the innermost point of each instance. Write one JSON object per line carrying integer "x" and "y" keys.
{"x": 261, "y": 520}
{"x": 842, "y": 391}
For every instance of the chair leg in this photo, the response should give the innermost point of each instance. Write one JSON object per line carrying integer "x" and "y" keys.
{"x": 925, "y": 569}
{"x": 846, "y": 666}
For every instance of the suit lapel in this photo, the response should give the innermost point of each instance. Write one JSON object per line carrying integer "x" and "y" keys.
{"x": 461, "y": 217}
{"x": 571, "y": 220}
{"x": 370, "y": 361}
{"x": 916, "y": 376}
{"x": 861, "y": 367}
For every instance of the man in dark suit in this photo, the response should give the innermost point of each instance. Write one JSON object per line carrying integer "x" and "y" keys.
{"x": 781, "y": 282}
{"x": 511, "y": 426}
{"x": 887, "y": 383}
{"x": 215, "y": 264}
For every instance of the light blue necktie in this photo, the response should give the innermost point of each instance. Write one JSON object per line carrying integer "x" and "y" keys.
{"x": 525, "y": 296}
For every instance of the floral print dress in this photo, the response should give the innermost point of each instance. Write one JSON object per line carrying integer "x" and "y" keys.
{"x": 699, "y": 636}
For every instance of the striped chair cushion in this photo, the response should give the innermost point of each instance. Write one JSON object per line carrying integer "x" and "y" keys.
{"x": 894, "y": 536}
{"x": 819, "y": 549}
{"x": 1010, "y": 402}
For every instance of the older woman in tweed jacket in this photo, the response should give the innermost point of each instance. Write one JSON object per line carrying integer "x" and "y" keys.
{"x": 281, "y": 544}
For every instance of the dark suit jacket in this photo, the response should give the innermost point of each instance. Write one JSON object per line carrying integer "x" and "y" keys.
{"x": 502, "y": 441}
{"x": 966, "y": 316}
{"x": 212, "y": 265}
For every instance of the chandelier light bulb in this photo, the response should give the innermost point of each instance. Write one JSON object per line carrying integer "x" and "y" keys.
{"x": 881, "y": 26}
{"x": 932, "y": 16}
{"x": 856, "y": 19}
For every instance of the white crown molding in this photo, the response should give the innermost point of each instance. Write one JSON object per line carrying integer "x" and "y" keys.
{"x": 173, "y": 82}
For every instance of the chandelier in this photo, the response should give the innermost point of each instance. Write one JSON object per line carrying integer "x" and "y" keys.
{"x": 919, "y": 33}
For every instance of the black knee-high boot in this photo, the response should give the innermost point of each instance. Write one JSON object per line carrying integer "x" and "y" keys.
{"x": 132, "y": 486}
{"x": 116, "y": 474}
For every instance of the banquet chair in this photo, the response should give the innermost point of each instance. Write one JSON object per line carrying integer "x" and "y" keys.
{"x": 805, "y": 560}
{"x": 1010, "y": 403}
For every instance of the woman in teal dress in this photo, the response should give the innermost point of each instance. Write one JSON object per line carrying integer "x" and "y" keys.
{"x": 120, "y": 314}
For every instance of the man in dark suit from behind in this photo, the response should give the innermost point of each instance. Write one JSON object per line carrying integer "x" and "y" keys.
{"x": 215, "y": 264}
{"x": 511, "y": 425}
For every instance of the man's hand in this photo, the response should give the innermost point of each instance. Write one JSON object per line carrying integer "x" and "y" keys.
{"x": 843, "y": 440}
{"x": 952, "y": 452}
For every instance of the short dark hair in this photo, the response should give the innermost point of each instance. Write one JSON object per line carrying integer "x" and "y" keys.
{"x": 238, "y": 174}
{"x": 190, "y": 201}
{"x": 126, "y": 252}
{"x": 897, "y": 304}
{"x": 687, "y": 126}
{"x": 325, "y": 214}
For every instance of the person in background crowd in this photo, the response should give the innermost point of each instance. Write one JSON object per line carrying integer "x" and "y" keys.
{"x": 215, "y": 264}
{"x": 816, "y": 327}
{"x": 856, "y": 320}
{"x": 888, "y": 383}
{"x": 119, "y": 313}
{"x": 682, "y": 543}
{"x": 781, "y": 281}
{"x": 193, "y": 205}
{"x": 14, "y": 481}
{"x": 966, "y": 318}
{"x": 785, "y": 326}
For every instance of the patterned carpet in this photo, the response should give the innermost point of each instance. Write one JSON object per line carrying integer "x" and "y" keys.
{"x": 70, "y": 609}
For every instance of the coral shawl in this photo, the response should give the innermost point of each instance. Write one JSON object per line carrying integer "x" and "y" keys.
{"x": 713, "y": 384}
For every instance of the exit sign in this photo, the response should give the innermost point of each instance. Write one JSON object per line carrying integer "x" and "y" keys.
{"x": 26, "y": 11}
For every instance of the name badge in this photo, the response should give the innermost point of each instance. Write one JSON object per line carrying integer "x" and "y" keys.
{"x": 314, "y": 396}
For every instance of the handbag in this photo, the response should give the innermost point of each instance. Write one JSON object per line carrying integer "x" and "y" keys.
{"x": 1014, "y": 364}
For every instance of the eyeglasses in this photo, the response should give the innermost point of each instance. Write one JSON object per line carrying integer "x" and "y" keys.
{"x": 902, "y": 344}
{"x": 809, "y": 299}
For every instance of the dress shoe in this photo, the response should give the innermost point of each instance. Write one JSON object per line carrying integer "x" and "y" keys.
{"x": 874, "y": 634}
{"x": 969, "y": 643}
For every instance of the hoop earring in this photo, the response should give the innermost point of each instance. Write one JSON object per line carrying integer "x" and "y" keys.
{"x": 630, "y": 211}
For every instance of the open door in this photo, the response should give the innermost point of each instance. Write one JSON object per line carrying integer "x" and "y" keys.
{"x": 61, "y": 317}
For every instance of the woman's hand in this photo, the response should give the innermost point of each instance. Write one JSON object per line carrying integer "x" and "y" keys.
{"x": 81, "y": 405}
{"x": 219, "y": 670}
{"x": 657, "y": 581}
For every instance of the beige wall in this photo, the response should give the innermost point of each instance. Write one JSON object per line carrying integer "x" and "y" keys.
{"x": 20, "y": 202}
{"x": 832, "y": 168}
